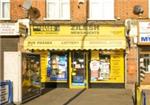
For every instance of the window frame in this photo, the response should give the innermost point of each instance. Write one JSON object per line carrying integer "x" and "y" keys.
{"x": 58, "y": 5}
{"x": 1, "y": 10}
{"x": 103, "y": 17}
{"x": 146, "y": 58}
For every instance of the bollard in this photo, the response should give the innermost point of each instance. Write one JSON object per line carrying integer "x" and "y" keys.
{"x": 10, "y": 92}
{"x": 143, "y": 98}
{"x": 137, "y": 94}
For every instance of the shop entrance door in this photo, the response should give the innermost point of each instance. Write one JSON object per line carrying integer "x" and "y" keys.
{"x": 79, "y": 69}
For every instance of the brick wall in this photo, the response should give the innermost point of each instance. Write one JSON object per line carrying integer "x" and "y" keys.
{"x": 132, "y": 65}
{"x": 16, "y": 11}
{"x": 124, "y": 8}
{"x": 40, "y": 4}
{"x": 78, "y": 14}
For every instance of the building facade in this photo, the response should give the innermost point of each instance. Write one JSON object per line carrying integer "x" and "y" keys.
{"x": 78, "y": 38}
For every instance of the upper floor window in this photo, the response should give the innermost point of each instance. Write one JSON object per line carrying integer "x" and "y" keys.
{"x": 4, "y": 9}
{"x": 58, "y": 9}
{"x": 101, "y": 9}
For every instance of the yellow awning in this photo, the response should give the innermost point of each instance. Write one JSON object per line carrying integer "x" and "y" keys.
{"x": 70, "y": 42}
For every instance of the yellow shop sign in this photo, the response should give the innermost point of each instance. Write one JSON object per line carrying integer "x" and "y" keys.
{"x": 46, "y": 30}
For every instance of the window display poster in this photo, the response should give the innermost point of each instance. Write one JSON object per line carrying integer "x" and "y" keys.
{"x": 30, "y": 75}
{"x": 104, "y": 70}
{"x": 94, "y": 66}
{"x": 117, "y": 68}
{"x": 111, "y": 69}
{"x": 44, "y": 59}
{"x": 100, "y": 69}
{"x": 57, "y": 67}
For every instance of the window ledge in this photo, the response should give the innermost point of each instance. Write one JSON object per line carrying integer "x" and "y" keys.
{"x": 4, "y": 18}
{"x": 55, "y": 19}
{"x": 100, "y": 19}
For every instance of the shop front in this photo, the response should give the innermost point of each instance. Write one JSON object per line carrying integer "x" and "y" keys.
{"x": 10, "y": 40}
{"x": 144, "y": 52}
{"x": 78, "y": 56}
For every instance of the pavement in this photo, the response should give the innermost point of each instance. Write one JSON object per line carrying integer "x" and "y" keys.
{"x": 94, "y": 96}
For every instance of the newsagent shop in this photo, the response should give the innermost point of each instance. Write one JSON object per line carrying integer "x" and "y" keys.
{"x": 79, "y": 56}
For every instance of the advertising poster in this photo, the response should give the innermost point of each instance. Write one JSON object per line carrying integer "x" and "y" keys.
{"x": 104, "y": 69}
{"x": 94, "y": 66}
{"x": 57, "y": 67}
{"x": 100, "y": 69}
{"x": 44, "y": 66}
{"x": 117, "y": 68}
{"x": 109, "y": 69}
{"x": 30, "y": 75}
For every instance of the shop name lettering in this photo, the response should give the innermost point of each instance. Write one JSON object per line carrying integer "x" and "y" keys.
{"x": 51, "y": 28}
{"x": 145, "y": 39}
{"x": 81, "y": 29}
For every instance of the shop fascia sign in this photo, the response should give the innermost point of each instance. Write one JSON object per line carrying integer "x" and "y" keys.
{"x": 40, "y": 30}
{"x": 8, "y": 29}
{"x": 23, "y": 30}
{"x": 64, "y": 29}
{"x": 12, "y": 29}
{"x": 144, "y": 32}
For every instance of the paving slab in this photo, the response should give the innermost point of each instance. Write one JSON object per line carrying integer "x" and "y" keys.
{"x": 56, "y": 96}
{"x": 104, "y": 97}
{"x": 94, "y": 96}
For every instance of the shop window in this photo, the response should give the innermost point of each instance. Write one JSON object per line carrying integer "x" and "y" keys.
{"x": 58, "y": 9}
{"x": 30, "y": 75}
{"x": 107, "y": 66}
{"x": 4, "y": 9}
{"x": 100, "y": 69}
{"x": 146, "y": 62}
{"x": 104, "y": 67}
{"x": 101, "y": 9}
{"x": 57, "y": 66}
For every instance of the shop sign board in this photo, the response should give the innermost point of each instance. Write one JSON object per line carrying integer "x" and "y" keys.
{"x": 23, "y": 30}
{"x": 74, "y": 42}
{"x": 8, "y": 29}
{"x": 144, "y": 32}
{"x": 46, "y": 30}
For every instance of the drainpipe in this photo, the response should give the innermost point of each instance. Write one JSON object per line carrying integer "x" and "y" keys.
{"x": 86, "y": 23}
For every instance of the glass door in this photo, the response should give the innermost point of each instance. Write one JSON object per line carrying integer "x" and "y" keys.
{"x": 78, "y": 70}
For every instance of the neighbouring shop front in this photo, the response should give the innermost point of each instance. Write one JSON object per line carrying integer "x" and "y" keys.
{"x": 144, "y": 52}
{"x": 79, "y": 56}
{"x": 10, "y": 40}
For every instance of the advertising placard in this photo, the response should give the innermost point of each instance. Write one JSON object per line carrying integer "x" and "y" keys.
{"x": 57, "y": 67}
{"x": 9, "y": 29}
{"x": 144, "y": 32}
{"x": 109, "y": 69}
